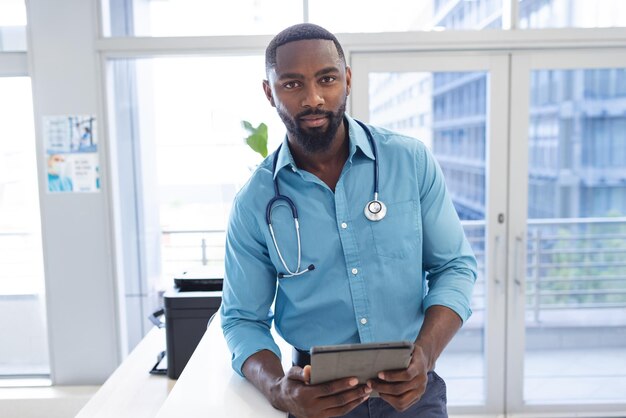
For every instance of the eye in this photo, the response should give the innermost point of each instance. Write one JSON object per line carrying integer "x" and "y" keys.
{"x": 291, "y": 85}
{"x": 328, "y": 79}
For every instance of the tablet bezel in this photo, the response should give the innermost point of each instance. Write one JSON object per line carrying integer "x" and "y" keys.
{"x": 363, "y": 361}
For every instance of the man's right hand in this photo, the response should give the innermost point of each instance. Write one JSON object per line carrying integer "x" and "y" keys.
{"x": 294, "y": 394}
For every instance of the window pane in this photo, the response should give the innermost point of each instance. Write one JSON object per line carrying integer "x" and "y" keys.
{"x": 192, "y": 139}
{"x": 447, "y": 111}
{"x": 12, "y": 25}
{"x": 201, "y": 17}
{"x": 405, "y": 15}
{"x": 576, "y": 276}
{"x": 24, "y": 346}
{"x": 572, "y": 13}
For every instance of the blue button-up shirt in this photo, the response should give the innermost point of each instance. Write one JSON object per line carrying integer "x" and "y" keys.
{"x": 372, "y": 281}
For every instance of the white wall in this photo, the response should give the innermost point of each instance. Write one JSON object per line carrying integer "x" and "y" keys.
{"x": 78, "y": 257}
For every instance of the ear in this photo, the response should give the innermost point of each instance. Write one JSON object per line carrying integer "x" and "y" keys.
{"x": 348, "y": 80}
{"x": 268, "y": 92}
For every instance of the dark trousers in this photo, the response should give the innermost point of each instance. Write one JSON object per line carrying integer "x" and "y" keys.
{"x": 431, "y": 405}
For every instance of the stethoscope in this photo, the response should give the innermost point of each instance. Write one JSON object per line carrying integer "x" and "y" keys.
{"x": 374, "y": 210}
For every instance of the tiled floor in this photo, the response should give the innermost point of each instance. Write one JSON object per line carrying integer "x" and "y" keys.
{"x": 551, "y": 376}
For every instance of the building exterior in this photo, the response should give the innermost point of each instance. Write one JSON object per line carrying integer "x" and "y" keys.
{"x": 577, "y": 127}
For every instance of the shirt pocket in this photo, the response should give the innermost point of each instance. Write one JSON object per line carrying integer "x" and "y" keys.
{"x": 398, "y": 234}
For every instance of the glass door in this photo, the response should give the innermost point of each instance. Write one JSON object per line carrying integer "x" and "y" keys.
{"x": 567, "y": 327}
{"x": 457, "y": 105}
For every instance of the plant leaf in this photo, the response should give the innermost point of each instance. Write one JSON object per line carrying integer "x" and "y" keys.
{"x": 247, "y": 126}
{"x": 257, "y": 140}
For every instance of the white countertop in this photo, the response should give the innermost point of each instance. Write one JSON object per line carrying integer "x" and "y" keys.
{"x": 208, "y": 387}
{"x": 131, "y": 391}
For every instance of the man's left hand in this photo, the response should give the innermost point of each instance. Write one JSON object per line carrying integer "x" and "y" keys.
{"x": 403, "y": 388}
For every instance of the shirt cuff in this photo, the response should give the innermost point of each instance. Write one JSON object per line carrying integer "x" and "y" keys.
{"x": 247, "y": 343}
{"x": 456, "y": 297}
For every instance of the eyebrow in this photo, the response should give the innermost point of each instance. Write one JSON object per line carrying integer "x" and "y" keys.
{"x": 297, "y": 76}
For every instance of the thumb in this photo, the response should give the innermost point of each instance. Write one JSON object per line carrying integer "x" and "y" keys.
{"x": 299, "y": 374}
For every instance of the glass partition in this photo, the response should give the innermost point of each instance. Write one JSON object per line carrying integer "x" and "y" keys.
{"x": 190, "y": 144}
{"x": 24, "y": 347}
{"x": 405, "y": 15}
{"x": 265, "y": 17}
{"x": 12, "y": 25}
{"x": 572, "y": 13}
{"x": 576, "y": 251}
{"x": 199, "y": 17}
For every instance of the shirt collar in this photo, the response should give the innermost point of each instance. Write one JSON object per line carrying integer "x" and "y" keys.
{"x": 284, "y": 158}
{"x": 358, "y": 140}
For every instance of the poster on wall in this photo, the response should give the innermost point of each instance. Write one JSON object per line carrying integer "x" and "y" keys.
{"x": 71, "y": 147}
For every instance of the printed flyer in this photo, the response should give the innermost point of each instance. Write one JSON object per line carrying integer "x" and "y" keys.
{"x": 71, "y": 147}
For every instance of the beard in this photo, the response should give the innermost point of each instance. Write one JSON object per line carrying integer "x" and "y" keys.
{"x": 313, "y": 140}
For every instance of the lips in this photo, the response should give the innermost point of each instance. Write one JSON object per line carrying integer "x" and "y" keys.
{"x": 314, "y": 121}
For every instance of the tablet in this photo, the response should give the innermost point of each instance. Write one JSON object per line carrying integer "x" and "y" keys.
{"x": 364, "y": 361}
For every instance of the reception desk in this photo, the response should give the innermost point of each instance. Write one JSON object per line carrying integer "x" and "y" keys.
{"x": 208, "y": 387}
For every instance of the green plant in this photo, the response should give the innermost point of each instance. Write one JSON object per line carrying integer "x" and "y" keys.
{"x": 257, "y": 140}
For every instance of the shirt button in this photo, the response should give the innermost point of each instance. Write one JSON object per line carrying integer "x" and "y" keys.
{"x": 363, "y": 321}
{"x": 355, "y": 271}
{"x": 344, "y": 225}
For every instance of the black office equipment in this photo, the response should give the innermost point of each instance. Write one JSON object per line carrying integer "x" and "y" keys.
{"x": 201, "y": 279}
{"x": 187, "y": 315}
{"x": 188, "y": 307}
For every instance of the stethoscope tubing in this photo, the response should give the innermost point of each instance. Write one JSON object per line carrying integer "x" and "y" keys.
{"x": 294, "y": 211}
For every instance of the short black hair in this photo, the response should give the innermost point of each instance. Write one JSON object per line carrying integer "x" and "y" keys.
{"x": 299, "y": 32}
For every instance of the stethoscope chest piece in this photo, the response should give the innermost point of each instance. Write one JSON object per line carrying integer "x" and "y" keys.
{"x": 375, "y": 210}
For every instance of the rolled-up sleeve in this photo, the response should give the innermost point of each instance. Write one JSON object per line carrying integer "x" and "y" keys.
{"x": 249, "y": 289}
{"x": 448, "y": 259}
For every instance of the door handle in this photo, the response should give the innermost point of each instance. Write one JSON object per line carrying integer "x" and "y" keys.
{"x": 496, "y": 263}
{"x": 519, "y": 242}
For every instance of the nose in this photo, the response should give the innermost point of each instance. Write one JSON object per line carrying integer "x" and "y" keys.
{"x": 312, "y": 97}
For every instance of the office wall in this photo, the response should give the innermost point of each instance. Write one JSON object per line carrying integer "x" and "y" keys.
{"x": 78, "y": 256}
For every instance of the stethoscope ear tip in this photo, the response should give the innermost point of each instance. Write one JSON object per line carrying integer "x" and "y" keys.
{"x": 311, "y": 267}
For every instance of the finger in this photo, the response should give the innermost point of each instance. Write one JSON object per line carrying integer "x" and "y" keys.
{"x": 306, "y": 374}
{"x": 297, "y": 373}
{"x": 402, "y": 375}
{"x": 403, "y": 402}
{"x": 398, "y": 388}
{"x": 345, "y": 398}
{"x": 344, "y": 409}
{"x": 336, "y": 386}
{"x": 395, "y": 388}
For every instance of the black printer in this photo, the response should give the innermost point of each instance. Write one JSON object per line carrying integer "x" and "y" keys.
{"x": 188, "y": 307}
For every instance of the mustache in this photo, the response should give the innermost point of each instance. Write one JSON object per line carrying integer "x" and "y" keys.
{"x": 311, "y": 112}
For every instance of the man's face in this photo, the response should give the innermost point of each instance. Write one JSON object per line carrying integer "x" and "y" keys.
{"x": 309, "y": 87}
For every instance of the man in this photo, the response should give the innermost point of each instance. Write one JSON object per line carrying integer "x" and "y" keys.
{"x": 366, "y": 279}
